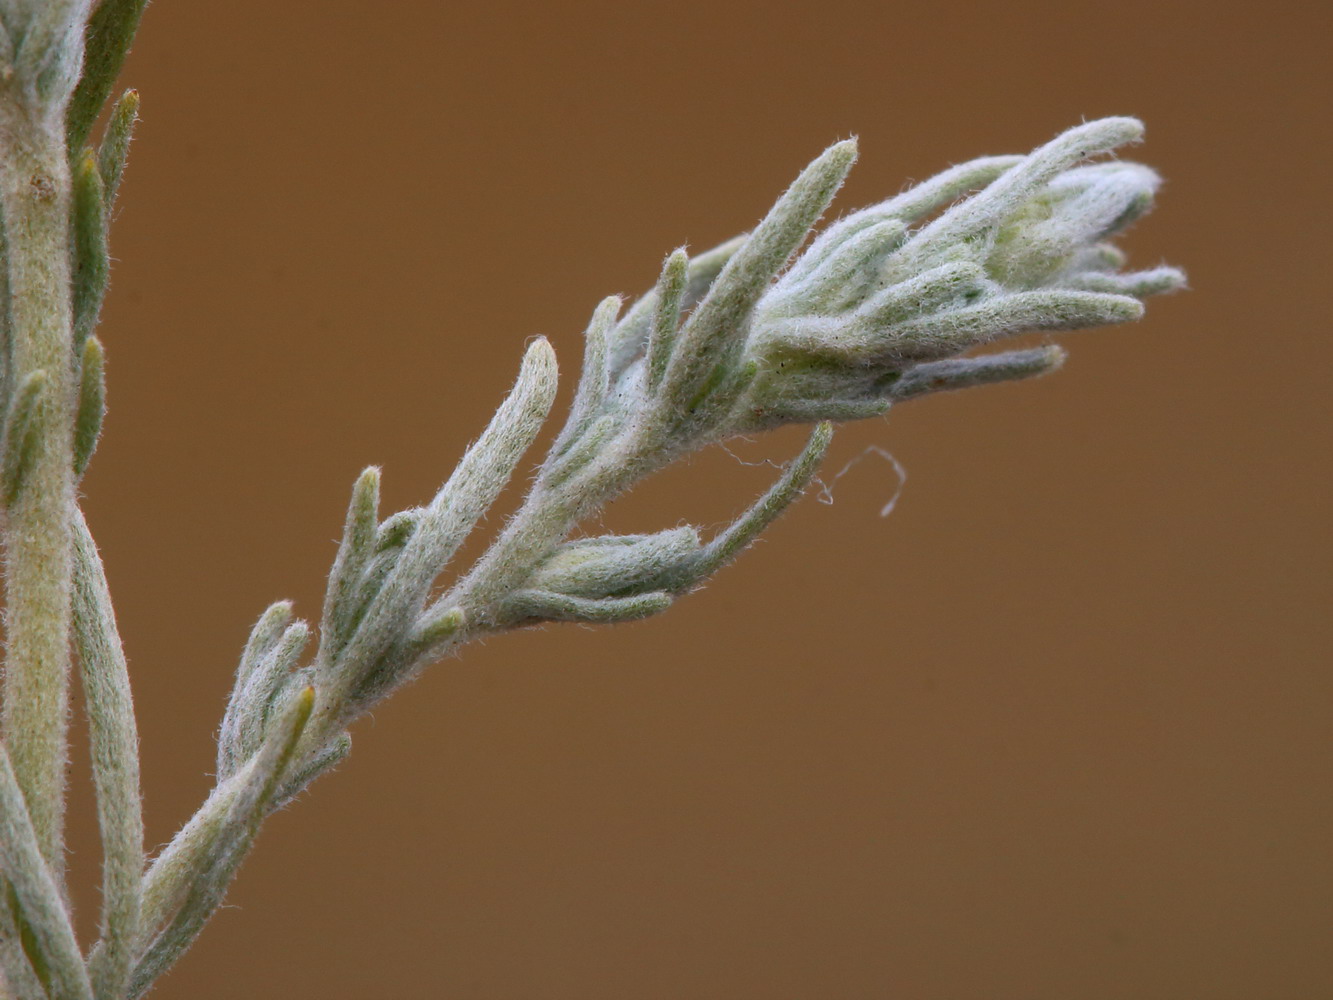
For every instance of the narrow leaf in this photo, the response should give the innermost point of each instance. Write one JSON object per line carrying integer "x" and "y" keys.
{"x": 92, "y": 404}
{"x": 36, "y": 900}
{"x": 431, "y": 636}
{"x": 705, "y": 268}
{"x": 809, "y": 411}
{"x": 391, "y": 538}
{"x": 532, "y": 606}
{"x": 185, "y": 886}
{"x": 246, "y": 724}
{"x": 23, "y": 431}
{"x": 630, "y": 337}
{"x": 713, "y": 405}
{"x": 666, "y": 316}
{"x": 905, "y": 209}
{"x": 844, "y": 276}
{"x": 381, "y": 565}
{"x": 964, "y": 373}
{"x": 1136, "y": 283}
{"x": 115, "y": 760}
{"x": 107, "y": 41}
{"x": 115, "y": 147}
{"x": 932, "y": 291}
{"x": 616, "y": 565}
{"x": 875, "y": 332}
{"x": 470, "y": 491}
{"x": 305, "y": 772}
{"x": 16, "y": 970}
{"x": 267, "y": 680}
{"x": 90, "y": 247}
{"x": 715, "y": 331}
{"x": 948, "y": 186}
{"x": 951, "y": 332}
{"x": 396, "y": 529}
{"x": 729, "y": 544}
{"x": 29, "y": 946}
{"x": 354, "y": 552}
{"x": 435, "y": 629}
{"x": 6, "y": 325}
{"x": 594, "y": 379}
{"x": 583, "y": 449}
{"x": 264, "y": 638}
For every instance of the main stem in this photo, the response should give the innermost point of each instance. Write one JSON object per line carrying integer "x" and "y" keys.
{"x": 35, "y": 199}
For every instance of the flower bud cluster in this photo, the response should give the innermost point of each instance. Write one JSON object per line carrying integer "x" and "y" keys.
{"x": 880, "y": 305}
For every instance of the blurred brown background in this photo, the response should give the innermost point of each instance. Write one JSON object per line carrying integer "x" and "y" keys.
{"x": 1057, "y": 728}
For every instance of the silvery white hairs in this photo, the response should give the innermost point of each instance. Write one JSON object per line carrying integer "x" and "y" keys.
{"x": 881, "y": 307}
{"x": 771, "y": 328}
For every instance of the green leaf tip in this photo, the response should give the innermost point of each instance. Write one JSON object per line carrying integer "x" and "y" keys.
{"x": 305, "y": 704}
{"x": 292, "y": 728}
{"x": 115, "y": 147}
{"x": 432, "y": 631}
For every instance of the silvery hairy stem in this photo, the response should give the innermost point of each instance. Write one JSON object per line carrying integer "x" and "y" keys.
{"x": 41, "y": 52}
{"x": 55, "y": 199}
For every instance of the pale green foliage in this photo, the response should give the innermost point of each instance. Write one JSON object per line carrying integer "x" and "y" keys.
{"x": 880, "y": 307}
{"x": 114, "y": 743}
{"x": 867, "y": 314}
